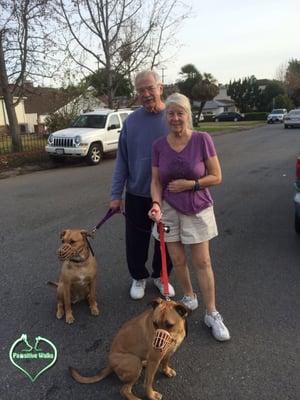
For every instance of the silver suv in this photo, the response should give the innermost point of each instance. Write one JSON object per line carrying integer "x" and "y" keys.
{"x": 276, "y": 115}
{"x": 90, "y": 136}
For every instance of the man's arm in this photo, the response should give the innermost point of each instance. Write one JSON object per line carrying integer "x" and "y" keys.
{"x": 120, "y": 173}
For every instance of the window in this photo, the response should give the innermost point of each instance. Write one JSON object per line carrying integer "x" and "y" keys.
{"x": 114, "y": 121}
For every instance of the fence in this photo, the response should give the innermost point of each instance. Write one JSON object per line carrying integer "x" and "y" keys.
{"x": 33, "y": 150}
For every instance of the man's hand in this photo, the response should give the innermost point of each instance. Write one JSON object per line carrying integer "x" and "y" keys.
{"x": 116, "y": 205}
{"x": 180, "y": 185}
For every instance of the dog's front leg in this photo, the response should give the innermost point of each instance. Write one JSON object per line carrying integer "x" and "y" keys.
{"x": 92, "y": 298}
{"x": 153, "y": 362}
{"x": 67, "y": 303}
{"x": 166, "y": 369}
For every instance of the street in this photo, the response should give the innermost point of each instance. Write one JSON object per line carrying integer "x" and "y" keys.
{"x": 256, "y": 260}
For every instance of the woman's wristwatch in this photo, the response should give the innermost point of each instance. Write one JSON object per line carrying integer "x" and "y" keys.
{"x": 197, "y": 186}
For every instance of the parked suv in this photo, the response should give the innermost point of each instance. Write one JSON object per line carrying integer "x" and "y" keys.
{"x": 276, "y": 115}
{"x": 91, "y": 135}
{"x": 297, "y": 196}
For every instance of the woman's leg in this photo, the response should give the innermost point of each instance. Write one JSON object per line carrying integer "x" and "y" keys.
{"x": 205, "y": 275}
{"x": 182, "y": 274}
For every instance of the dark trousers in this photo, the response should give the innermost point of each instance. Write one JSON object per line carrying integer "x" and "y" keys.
{"x": 138, "y": 234}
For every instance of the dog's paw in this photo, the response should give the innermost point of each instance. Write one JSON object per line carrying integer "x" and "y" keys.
{"x": 95, "y": 310}
{"x": 59, "y": 314}
{"x": 70, "y": 319}
{"x": 169, "y": 372}
{"x": 155, "y": 395}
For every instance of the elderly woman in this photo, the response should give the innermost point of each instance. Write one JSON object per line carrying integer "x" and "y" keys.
{"x": 184, "y": 165}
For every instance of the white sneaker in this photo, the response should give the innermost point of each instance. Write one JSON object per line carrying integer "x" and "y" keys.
{"x": 190, "y": 302}
{"x": 158, "y": 283}
{"x": 219, "y": 330}
{"x": 137, "y": 290}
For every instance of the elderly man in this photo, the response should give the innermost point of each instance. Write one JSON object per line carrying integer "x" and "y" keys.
{"x": 133, "y": 170}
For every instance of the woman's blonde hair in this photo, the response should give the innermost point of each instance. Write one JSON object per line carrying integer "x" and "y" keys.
{"x": 182, "y": 101}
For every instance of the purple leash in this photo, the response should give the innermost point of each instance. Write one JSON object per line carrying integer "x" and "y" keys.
{"x": 108, "y": 215}
{"x": 112, "y": 212}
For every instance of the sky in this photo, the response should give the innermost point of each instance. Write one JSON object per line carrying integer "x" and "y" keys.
{"x": 232, "y": 39}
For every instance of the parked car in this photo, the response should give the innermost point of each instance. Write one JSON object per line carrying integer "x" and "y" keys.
{"x": 196, "y": 118}
{"x": 229, "y": 116}
{"x": 292, "y": 119}
{"x": 91, "y": 135}
{"x": 297, "y": 196}
{"x": 276, "y": 115}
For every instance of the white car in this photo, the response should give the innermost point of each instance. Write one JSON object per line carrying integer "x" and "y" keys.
{"x": 292, "y": 119}
{"x": 276, "y": 115}
{"x": 91, "y": 135}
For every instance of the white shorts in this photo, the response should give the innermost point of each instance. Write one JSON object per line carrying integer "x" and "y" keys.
{"x": 187, "y": 229}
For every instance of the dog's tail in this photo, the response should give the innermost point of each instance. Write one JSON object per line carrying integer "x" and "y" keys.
{"x": 50, "y": 283}
{"x": 90, "y": 379}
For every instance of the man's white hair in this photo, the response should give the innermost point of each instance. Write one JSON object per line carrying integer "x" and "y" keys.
{"x": 145, "y": 73}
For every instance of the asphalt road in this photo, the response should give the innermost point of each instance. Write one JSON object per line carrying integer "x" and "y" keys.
{"x": 256, "y": 262}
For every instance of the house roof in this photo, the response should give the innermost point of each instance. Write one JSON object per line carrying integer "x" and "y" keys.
{"x": 43, "y": 100}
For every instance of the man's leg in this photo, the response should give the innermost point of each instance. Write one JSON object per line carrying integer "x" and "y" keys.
{"x": 138, "y": 233}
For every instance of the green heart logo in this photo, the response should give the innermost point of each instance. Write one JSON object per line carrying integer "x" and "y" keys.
{"x": 32, "y": 360}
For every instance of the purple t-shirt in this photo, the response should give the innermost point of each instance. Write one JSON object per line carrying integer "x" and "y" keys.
{"x": 188, "y": 163}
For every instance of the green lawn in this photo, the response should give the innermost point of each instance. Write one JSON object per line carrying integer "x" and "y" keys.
{"x": 212, "y": 127}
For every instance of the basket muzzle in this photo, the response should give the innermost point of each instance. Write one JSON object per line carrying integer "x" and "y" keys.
{"x": 162, "y": 340}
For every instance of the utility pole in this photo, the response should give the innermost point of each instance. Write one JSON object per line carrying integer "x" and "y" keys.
{"x": 162, "y": 75}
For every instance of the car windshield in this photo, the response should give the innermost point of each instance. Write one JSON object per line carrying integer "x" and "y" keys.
{"x": 295, "y": 113}
{"x": 90, "y": 121}
{"x": 279, "y": 111}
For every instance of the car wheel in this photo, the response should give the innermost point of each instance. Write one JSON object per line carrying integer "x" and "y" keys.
{"x": 235, "y": 119}
{"x": 95, "y": 154}
{"x": 297, "y": 224}
{"x": 217, "y": 120}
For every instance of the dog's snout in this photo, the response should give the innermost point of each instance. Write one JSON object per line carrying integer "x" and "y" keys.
{"x": 65, "y": 251}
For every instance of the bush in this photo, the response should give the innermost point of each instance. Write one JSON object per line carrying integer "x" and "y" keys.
{"x": 256, "y": 116}
{"x": 60, "y": 120}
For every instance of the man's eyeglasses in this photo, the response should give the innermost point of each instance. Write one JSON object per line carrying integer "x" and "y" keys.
{"x": 149, "y": 89}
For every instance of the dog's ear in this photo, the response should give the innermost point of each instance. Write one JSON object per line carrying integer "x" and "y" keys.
{"x": 182, "y": 310}
{"x": 62, "y": 233}
{"x": 156, "y": 303}
{"x": 85, "y": 233}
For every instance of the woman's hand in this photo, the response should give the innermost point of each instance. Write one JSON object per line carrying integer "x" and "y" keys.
{"x": 180, "y": 185}
{"x": 155, "y": 213}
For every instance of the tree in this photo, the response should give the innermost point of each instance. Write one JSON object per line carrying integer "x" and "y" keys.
{"x": 99, "y": 81}
{"x": 246, "y": 93}
{"x": 197, "y": 87}
{"x": 24, "y": 36}
{"x": 292, "y": 81}
{"x": 272, "y": 90}
{"x": 119, "y": 37}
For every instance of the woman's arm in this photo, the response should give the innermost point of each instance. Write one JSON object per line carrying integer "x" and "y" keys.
{"x": 156, "y": 194}
{"x": 213, "y": 177}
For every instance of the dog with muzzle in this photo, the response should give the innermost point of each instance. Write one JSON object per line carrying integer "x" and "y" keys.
{"x": 148, "y": 340}
{"x": 77, "y": 280}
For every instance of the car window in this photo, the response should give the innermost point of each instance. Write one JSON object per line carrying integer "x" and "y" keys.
{"x": 114, "y": 120}
{"x": 278, "y": 111}
{"x": 295, "y": 113}
{"x": 123, "y": 116}
{"x": 90, "y": 121}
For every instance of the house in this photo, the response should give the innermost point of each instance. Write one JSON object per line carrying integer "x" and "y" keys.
{"x": 220, "y": 103}
{"x": 38, "y": 102}
{"x": 21, "y": 117}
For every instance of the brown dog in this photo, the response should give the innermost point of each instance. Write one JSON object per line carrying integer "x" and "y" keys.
{"x": 77, "y": 279}
{"x": 148, "y": 340}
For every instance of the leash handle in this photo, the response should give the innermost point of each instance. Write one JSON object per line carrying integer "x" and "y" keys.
{"x": 164, "y": 272}
{"x": 108, "y": 215}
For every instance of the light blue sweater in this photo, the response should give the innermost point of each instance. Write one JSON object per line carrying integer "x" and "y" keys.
{"x": 133, "y": 164}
